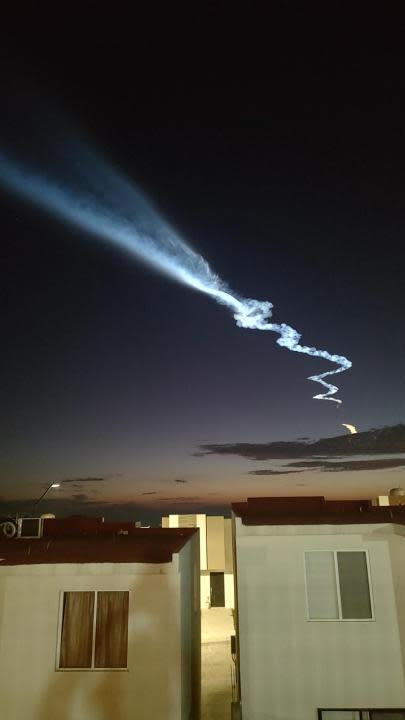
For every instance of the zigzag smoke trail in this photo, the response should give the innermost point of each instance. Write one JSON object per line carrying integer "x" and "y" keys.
{"x": 84, "y": 190}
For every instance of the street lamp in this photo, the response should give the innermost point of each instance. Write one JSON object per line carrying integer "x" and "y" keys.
{"x": 9, "y": 527}
{"x": 52, "y": 485}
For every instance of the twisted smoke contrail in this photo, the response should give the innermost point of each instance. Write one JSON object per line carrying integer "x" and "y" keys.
{"x": 86, "y": 191}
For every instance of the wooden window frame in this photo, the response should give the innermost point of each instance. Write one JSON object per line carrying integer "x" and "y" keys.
{"x": 340, "y": 618}
{"x": 58, "y": 668}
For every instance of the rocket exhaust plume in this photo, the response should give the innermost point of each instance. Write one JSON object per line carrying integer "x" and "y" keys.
{"x": 80, "y": 187}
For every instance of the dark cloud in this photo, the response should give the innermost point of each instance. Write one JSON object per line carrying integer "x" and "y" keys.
{"x": 180, "y": 480}
{"x": 152, "y": 492}
{"x": 387, "y": 440}
{"x": 273, "y": 472}
{"x": 350, "y": 465}
{"x": 181, "y": 499}
{"x": 81, "y": 497}
{"x": 84, "y": 480}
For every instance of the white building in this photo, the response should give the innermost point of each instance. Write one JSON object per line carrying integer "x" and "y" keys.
{"x": 320, "y": 610}
{"x": 99, "y": 625}
{"x": 216, "y": 556}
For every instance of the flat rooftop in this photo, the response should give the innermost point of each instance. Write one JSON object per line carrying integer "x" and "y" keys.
{"x": 314, "y": 510}
{"x": 95, "y": 542}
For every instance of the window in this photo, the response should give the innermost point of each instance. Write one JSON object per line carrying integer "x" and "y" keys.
{"x": 338, "y": 586}
{"x": 94, "y": 630}
{"x": 368, "y": 714}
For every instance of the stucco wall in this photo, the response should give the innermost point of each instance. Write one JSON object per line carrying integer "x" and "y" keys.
{"x": 29, "y": 685}
{"x": 397, "y": 554}
{"x": 215, "y": 543}
{"x": 229, "y": 590}
{"x": 205, "y": 588}
{"x": 200, "y": 522}
{"x": 190, "y": 620}
{"x": 291, "y": 666}
{"x": 228, "y": 545}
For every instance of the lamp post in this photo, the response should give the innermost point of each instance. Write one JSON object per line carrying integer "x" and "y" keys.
{"x": 9, "y": 526}
{"x": 52, "y": 485}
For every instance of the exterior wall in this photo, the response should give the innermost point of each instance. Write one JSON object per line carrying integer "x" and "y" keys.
{"x": 397, "y": 554}
{"x": 200, "y": 522}
{"x": 202, "y": 525}
{"x": 229, "y": 582}
{"x": 229, "y": 591}
{"x": 205, "y": 587}
{"x": 205, "y": 590}
{"x": 228, "y": 545}
{"x": 190, "y": 621}
{"x": 215, "y": 543}
{"x": 290, "y": 666}
{"x": 216, "y": 552}
{"x": 30, "y": 599}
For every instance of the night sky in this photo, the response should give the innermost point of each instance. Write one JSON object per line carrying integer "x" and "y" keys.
{"x": 274, "y": 144}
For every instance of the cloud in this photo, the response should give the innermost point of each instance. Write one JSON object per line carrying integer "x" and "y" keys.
{"x": 273, "y": 472}
{"x": 179, "y": 480}
{"x": 80, "y": 480}
{"x": 350, "y": 465}
{"x": 152, "y": 492}
{"x": 181, "y": 499}
{"x": 81, "y": 497}
{"x": 383, "y": 441}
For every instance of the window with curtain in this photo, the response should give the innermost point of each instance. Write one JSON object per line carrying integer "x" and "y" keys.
{"x": 94, "y": 630}
{"x": 338, "y": 585}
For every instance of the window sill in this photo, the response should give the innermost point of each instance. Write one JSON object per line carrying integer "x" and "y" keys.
{"x": 342, "y": 620}
{"x": 91, "y": 670}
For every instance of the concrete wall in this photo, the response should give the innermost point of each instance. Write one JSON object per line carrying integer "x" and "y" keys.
{"x": 228, "y": 545}
{"x": 30, "y": 685}
{"x": 199, "y": 521}
{"x": 205, "y": 587}
{"x": 229, "y": 591}
{"x": 215, "y": 543}
{"x": 205, "y": 590}
{"x": 291, "y": 666}
{"x": 397, "y": 555}
{"x": 189, "y": 563}
{"x": 202, "y": 525}
{"x": 215, "y": 552}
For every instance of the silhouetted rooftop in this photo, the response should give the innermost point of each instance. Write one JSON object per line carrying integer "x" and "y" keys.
{"x": 90, "y": 540}
{"x": 314, "y": 511}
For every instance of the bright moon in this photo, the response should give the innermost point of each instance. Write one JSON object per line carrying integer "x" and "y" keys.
{"x": 352, "y": 429}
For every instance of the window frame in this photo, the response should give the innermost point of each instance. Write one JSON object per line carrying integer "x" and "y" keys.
{"x": 337, "y": 580}
{"x": 93, "y": 645}
{"x": 360, "y": 711}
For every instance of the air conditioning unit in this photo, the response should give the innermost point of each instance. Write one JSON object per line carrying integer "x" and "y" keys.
{"x": 29, "y": 527}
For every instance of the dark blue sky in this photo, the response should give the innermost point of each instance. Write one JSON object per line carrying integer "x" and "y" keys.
{"x": 279, "y": 155}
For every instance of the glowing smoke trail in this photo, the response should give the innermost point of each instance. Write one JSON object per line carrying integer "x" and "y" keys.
{"x": 99, "y": 200}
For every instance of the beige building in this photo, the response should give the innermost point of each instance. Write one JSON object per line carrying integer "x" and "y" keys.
{"x": 320, "y": 610}
{"x": 100, "y": 623}
{"x": 216, "y": 556}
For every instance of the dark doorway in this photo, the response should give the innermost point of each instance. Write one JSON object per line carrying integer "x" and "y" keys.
{"x": 217, "y": 589}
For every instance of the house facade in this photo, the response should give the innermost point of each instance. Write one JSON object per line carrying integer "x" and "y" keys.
{"x": 100, "y": 623}
{"x": 320, "y": 610}
{"x": 216, "y": 556}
